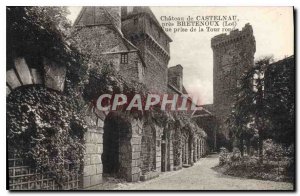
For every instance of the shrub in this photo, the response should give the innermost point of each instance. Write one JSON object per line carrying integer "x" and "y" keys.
{"x": 236, "y": 155}
{"x": 224, "y": 156}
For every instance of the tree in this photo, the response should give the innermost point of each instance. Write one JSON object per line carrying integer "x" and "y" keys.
{"x": 280, "y": 95}
{"x": 251, "y": 110}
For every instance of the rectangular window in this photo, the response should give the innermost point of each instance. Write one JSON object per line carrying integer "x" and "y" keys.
{"x": 124, "y": 58}
{"x": 135, "y": 21}
{"x": 141, "y": 71}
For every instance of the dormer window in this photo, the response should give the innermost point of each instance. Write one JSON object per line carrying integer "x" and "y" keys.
{"x": 124, "y": 58}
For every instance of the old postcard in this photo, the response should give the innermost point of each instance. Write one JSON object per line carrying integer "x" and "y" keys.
{"x": 150, "y": 98}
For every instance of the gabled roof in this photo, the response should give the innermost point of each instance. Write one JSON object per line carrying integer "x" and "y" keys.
{"x": 95, "y": 15}
{"x": 98, "y": 16}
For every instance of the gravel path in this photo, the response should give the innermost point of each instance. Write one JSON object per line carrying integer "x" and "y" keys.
{"x": 202, "y": 177}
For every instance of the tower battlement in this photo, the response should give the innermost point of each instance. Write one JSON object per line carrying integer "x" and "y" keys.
{"x": 233, "y": 37}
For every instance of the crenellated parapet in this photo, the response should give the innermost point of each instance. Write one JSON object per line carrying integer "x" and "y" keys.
{"x": 233, "y": 37}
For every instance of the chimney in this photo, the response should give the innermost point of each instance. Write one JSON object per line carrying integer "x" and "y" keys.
{"x": 175, "y": 76}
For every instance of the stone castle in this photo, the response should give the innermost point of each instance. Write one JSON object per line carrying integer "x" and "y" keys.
{"x": 232, "y": 55}
{"x": 131, "y": 40}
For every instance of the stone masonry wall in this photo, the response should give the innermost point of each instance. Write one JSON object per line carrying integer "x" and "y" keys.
{"x": 148, "y": 150}
{"x": 156, "y": 69}
{"x": 93, "y": 168}
{"x": 135, "y": 142}
{"x": 155, "y": 52}
{"x": 105, "y": 46}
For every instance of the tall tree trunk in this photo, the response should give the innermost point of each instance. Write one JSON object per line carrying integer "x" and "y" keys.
{"x": 260, "y": 147}
{"x": 248, "y": 146}
{"x": 242, "y": 146}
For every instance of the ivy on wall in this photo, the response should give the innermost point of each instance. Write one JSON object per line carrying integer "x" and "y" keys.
{"x": 44, "y": 128}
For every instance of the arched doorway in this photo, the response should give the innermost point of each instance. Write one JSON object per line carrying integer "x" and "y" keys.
{"x": 116, "y": 157}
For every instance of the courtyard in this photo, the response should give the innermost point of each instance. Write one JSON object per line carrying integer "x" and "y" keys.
{"x": 199, "y": 177}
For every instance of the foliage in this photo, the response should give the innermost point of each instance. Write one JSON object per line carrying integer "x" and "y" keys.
{"x": 223, "y": 156}
{"x": 264, "y": 106}
{"x": 273, "y": 151}
{"x": 280, "y": 91}
{"x": 278, "y": 164}
{"x": 37, "y": 31}
{"x": 222, "y": 141}
{"x": 45, "y": 129}
{"x": 108, "y": 81}
{"x": 41, "y": 32}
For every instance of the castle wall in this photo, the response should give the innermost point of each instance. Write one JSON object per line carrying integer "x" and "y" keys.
{"x": 93, "y": 138}
{"x": 157, "y": 34}
{"x": 154, "y": 47}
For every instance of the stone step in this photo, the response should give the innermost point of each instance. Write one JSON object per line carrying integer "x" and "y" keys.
{"x": 186, "y": 165}
{"x": 149, "y": 176}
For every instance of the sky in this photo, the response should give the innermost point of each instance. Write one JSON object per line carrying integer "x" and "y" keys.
{"x": 272, "y": 28}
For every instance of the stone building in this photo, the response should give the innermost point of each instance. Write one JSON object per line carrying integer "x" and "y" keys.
{"x": 232, "y": 55}
{"x": 97, "y": 31}
{"x": 120, "y": 146}
{"x": 192, "y": 144}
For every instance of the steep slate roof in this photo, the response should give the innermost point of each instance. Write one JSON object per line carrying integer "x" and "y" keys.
{"x": 90, "y": 16}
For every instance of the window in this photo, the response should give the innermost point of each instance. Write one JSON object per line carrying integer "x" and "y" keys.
{"x": 141, "y": 70}
{"x": 124, "y": 58}
{"x": 135, "y": 21}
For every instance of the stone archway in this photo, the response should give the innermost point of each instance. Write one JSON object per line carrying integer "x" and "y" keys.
{"x": 50, "y": 75}
{"x": 116, "y": 157}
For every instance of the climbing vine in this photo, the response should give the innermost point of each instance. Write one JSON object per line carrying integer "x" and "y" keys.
{"x": 44, "y": 128}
